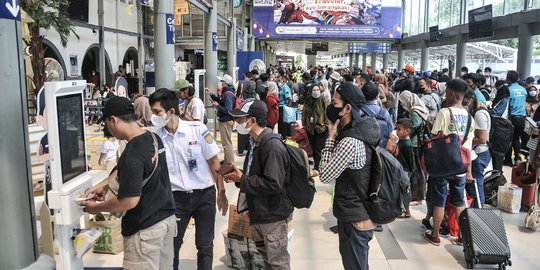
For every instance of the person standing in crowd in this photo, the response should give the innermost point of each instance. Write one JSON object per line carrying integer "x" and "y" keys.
{"x": 306, "y": 87}
{"x": 401, "y": 147}
{"x": 406, "y": 83}
{"x": 195, "y": 110}
{"x": 361, "y": 79}
{"x": 224, "y": 105}
{"x": 262, "y": 184}
{"x": 445, "y": 76}
{"x": 430, "y": 99}
{"x": 314, "y": 119}
{"x": 373, "y": 109}
{"x": 438, "y": 188}
{"x": 262, "y": 86}
{"x": 272, "y": 101}
{"x": 193, "y": 165}
{"x": 285, "y": 100}
{"x": 532, "y": 97}
{"x": 335, "y": 80}
{"x": 418, "y": 113}
{"x": 143, "y": 111}
{"x": 109, "y": 151}
{"x": 473, "y": 80}
{"x": 346, "y": 159}
{"x": 516, "y": 111}
{"x": 385, "y": 95}
{"x": 480, "y": 145}
{"x": 464, "y": 70}
{"x": 149, "y": 211}
{"x": 499, "y": 107}
{"x": 490, "y": 79}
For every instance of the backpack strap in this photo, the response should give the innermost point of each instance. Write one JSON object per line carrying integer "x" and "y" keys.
{"x": 156, "y": 151}
{"x": 453, "y": 121}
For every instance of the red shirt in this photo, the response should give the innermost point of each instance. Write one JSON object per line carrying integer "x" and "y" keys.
{"x": 272, "y": 102}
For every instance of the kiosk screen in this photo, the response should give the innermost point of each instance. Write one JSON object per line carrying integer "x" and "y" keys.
{"x": 71, "y": 135}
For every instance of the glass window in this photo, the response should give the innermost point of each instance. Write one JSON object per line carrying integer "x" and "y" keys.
{"x": 497, "y": 6}
{"x": 536, "y": 4}
{"x": 407, "y": 17}
{"x": 433, "y": 13}
{"x": 421, "y": 16}
{"x": 414, "y": 17}
{"x": 445, "y": 7}
{"x": 513, "y": 6}
{"x": 456, "y": 13}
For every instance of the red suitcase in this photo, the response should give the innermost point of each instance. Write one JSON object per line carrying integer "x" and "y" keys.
{"x": 522, "y": 175}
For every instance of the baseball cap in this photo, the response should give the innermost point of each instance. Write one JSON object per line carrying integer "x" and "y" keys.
{"x": 352, "y": 95}
{"x": 410, "y": 68}
{"x": 226, "y": 78}
{"x": 181, "y": 84}
{"x": 117, "y": 106}
{"x": 251, "y": 107}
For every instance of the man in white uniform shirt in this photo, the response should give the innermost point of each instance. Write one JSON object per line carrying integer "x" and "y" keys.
{"x": 193, "y": 166}
{"x": 194, "y": 106}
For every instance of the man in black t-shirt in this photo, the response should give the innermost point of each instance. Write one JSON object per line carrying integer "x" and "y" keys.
{"x": 144, "y": 192}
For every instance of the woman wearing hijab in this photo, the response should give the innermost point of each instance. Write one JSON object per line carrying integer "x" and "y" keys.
{"x": 418, "y": 113}
{"x": 272, "y": 103}
{"x": 314, "y": 119}
{"x": 499, "y": 105}
{"x": 143, "y": 111}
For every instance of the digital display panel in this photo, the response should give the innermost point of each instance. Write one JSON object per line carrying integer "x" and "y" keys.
{"x": 71, "y": 136}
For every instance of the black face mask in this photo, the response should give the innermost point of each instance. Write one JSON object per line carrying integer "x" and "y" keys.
{"x": 332, "y": 113}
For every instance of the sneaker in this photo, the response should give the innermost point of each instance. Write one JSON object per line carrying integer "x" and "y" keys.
{"x": 444, "y": 232}
{"x": 379, "y": 228}
{"x": 436, "y": 241}
{"x": 426, "y": 224}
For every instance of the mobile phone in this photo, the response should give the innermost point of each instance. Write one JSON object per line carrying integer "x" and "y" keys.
{"x": 225, "y": 168}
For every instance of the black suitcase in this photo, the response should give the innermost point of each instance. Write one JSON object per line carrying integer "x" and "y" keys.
{"x": 484, "y": 238}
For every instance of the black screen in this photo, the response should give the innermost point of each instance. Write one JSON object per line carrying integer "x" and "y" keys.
{"x": 78, "y": 10}
{"x": 71, "y": 136}
{"x": 481, "y": 22}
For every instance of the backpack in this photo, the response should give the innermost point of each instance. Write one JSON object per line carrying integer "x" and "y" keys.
{"x": 500, "y": 135}
{"x": 389, "y": 187}
{"x": 300, "y": 187}
{"x": 386, "y": 127}
{"x": 262, "y": 91}
{"x": 237, "y": 100}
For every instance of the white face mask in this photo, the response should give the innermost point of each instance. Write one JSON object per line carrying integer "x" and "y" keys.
{"x": 316, "y": 94}
{"x": 532, "y": 93}
{"x": 159, "y": 121}
{"x": 242, "y": 129}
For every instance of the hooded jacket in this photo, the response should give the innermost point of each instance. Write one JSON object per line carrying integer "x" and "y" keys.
{"x": 351, "y": 188}
{"x": 226, "y": 104}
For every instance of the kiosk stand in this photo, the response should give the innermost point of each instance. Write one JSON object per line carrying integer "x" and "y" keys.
{"x": 69, "y": 168}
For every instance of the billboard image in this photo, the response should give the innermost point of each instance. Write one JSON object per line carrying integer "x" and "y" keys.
{"x": 327, "y": 19}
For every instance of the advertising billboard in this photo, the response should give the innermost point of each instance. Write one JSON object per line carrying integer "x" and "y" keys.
{"x": 363, "y": 19}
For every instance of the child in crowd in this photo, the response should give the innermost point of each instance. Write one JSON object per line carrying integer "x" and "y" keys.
{"x": 302, "y": 139}
{"x": 109, "y": 151}
{"x": 400, "y": 145}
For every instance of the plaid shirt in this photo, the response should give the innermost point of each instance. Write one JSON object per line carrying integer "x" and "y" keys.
{"x": 349, "y": 153}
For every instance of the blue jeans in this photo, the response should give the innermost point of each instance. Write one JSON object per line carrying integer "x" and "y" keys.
{"x": 354, "y": 246}
{"x": 478, "y": 167}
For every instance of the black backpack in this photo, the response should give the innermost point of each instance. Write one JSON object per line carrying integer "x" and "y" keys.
{"x": 300, "y": 187}
{"x": 389, "y": 187}
{"x": 492, "y": 180}
{"x": 500, "y": 135}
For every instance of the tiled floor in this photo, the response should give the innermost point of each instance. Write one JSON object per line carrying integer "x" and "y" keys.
{"x": 315, "y": 247}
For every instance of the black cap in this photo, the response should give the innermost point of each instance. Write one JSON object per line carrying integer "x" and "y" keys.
{"x": 251, "y": 107}
{"x": 352, "y": 95}
{"x": 117, "y": 106}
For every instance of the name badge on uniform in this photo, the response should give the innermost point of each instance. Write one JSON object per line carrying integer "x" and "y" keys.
{"x": 192, "y": 163}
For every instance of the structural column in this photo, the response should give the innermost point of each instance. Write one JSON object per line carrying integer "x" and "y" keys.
{"x": 357, "y": 60}
{"x": 18, "y": 247}
{"x": 385, "y": 62}
{"x": 364, "y": 63}
{"x": 424, "y": 60}
{"x": 251, "y": 43}
{"x": 400, "y": 57}
{"x": 524, "y": 53}
{"x": 461, "y": 50}
{"x": 210, "y": 55}
{"x": 141, "y": 53}
{"x": 231, "y": 51}
{"x": 373, "y": 62}
{"x": 102, "y": 70}
{"x": 164, "y": 51}
{"x": 246, "y": 40}
{"x": 351, "y": 62}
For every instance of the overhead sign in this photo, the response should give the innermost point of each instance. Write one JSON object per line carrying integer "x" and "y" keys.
{"x": 481, "y": 22}
{"x": 327, "y": 19}
{"x": 370, "y": 47}
{"x": 10, "y": 9}
{"x": 169, "y": 24}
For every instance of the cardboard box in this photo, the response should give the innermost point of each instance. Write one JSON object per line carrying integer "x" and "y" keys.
{"x": 239, "y": 223}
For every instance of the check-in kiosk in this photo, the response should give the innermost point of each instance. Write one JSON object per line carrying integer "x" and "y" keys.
{"x": 69, "y": 166}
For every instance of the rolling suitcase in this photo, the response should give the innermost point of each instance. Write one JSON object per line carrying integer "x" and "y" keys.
{"x": 524, "y": 177}
{"x": 484, "y": 238}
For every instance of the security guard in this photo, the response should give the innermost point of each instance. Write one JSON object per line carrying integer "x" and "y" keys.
{"x": 193, "y": 166}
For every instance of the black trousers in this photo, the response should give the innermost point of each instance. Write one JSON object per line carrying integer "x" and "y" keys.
{"x": 201, "y": 205}
{"x": 284, "y": 129}
{"x": 519, "y": 127}
{"x": 317, "y": 142}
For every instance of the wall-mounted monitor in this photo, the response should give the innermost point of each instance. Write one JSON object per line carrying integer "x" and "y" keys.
{"x": 481, "y": 22}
